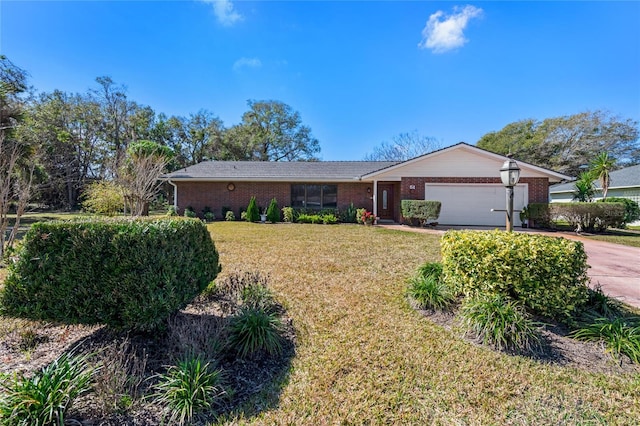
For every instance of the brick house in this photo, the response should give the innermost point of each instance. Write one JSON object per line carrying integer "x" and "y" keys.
{"x": 464, "y": 178}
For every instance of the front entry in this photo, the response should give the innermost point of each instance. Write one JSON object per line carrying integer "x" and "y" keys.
{"x": 385, "y": 201}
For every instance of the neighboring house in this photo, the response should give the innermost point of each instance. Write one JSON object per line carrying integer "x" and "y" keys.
{"x": 466, "y": 179}
{"x": 624, "y": 183}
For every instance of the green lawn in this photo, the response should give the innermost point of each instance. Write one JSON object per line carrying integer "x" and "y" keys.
{"x": 627, "y": 238}
{"x": 364, "y": 356}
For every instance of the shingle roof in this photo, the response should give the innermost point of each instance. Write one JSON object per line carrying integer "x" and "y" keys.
{"x": 629, "y": 176}
{"x": 281, "y": 170}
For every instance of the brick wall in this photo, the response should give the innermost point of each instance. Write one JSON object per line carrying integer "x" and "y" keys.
{"x": 215, "y": 195}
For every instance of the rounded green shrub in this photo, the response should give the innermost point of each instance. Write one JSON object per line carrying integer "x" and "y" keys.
{"x": 127, "y": 274}
{"x": 548, "y": 275}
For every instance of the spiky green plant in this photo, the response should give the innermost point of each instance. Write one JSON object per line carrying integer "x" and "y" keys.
{"x": 429, "y": 292}
{"x": 253, "y": 331}
{"x": 618, "y": 336}
{"x": 188, "y": 388}
{"x": 45, "y": 398}
{"x": 429, "y": 269}
{"x": 500, "y": 322}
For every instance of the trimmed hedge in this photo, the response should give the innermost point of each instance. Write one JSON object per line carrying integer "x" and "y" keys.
{"x": 127, "y": 274}
{"x": 418, "y": 212}
{"x": 589, "y": 217}
{"x": 631, "y": 209}
{"x": 548, "y": 275}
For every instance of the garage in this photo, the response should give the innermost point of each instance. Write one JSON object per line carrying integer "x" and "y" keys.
{"x": 471, "y": 204}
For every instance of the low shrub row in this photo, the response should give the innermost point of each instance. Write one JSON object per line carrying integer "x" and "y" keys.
{"x": 127, "y": 274}
{"x": 419, "y": 212}
{"x": 588, "y": 217}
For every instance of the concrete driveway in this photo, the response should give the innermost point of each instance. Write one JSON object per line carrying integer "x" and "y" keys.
{"x": 613, "y": 266}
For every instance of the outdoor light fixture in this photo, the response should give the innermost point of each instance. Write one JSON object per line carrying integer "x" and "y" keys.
{"x": 510, "y": 174}
{"x": 369, "y": 190}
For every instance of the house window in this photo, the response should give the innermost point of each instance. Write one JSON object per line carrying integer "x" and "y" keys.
{"x": 313, "y": 196}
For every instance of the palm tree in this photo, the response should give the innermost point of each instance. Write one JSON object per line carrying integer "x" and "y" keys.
{"x": 601, "y": 166}
{"x": 584, "y": 188}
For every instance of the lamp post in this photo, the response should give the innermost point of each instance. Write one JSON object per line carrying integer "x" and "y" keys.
{"x": 510, "y": 174}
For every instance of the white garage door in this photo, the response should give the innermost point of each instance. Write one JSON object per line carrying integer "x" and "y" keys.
{"x": 471, "y": 204}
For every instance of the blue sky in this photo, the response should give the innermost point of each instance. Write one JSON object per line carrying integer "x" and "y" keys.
{"x": 358, "y": 72}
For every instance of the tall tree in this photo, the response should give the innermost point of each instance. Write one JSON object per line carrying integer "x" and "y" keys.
{"x": 601, "y": 166}
{"x": 17, "y": 158}
{"x": 567, "y": 144}
{"x": 196, "y": 138}
{"x": 116, "y": 110}
{"x": 272, "y": 131}
{"x": 68, "y": 129}
{"x": 404, "y": 147}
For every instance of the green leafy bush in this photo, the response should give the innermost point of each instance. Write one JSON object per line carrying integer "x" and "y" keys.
{"x": 189, "y": 212}
{"x": 124, "y": 273}
{"x": 45, "y": 398}
{"x": 360, "y": 215}
{"x": 539, "y": 215}
{"x": 618, "y": 336}
{"x": 350, "y": 215}
{"x": 419, "y": 212}
{"x": 631, "y": 210}
{"x": 329, "y": 219}
{"x": 253, "y": 331}
{"x": 103, "y": 197}
{"x": 309, "y": 218}
{"x": 188, "y": 388}
{"x": 273, "y": 212}
{"x": 589, "y": 217}
{"x": 288, "y": 214}
{"x": 172, "y": 211}
{"x": 548, "y": 275}
{"x": 500, "y": 322}
{"x": 229, "y": 216}
{"x": 253, "y": 213}
{"x": 208, "y": 214}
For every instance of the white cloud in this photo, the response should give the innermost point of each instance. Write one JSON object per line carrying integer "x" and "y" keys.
{"x": 445, "y": 32}
{"x": 246, "y": 63}
{"x": 224, "y": 11}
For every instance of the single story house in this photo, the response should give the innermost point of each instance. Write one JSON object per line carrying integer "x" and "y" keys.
{"x": 466, "y": 179}
{"x": 623, "y": 183}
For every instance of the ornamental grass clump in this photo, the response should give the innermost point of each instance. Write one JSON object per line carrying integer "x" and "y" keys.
{"x": 618, "y": 336}
{"x": 188, "y": 388}
{"x": 500, "y": 322}
{"x": 427, "y": 290}
{"x": 253, "y": 331}
{"x": 45, "y": 398}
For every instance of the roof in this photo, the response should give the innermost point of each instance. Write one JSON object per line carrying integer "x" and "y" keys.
{"x": 553, "y": 176}
{"x": 628, "y": 177}
{"x": 330, "y": 171}
{"x": 279, "y": 170}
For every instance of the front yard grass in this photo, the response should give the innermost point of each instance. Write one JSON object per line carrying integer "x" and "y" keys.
{"x": 619, "y": 236}
{"x": 364, "y": 356}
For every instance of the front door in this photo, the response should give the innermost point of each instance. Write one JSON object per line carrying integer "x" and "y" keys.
{"x": 385, "y": 201}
